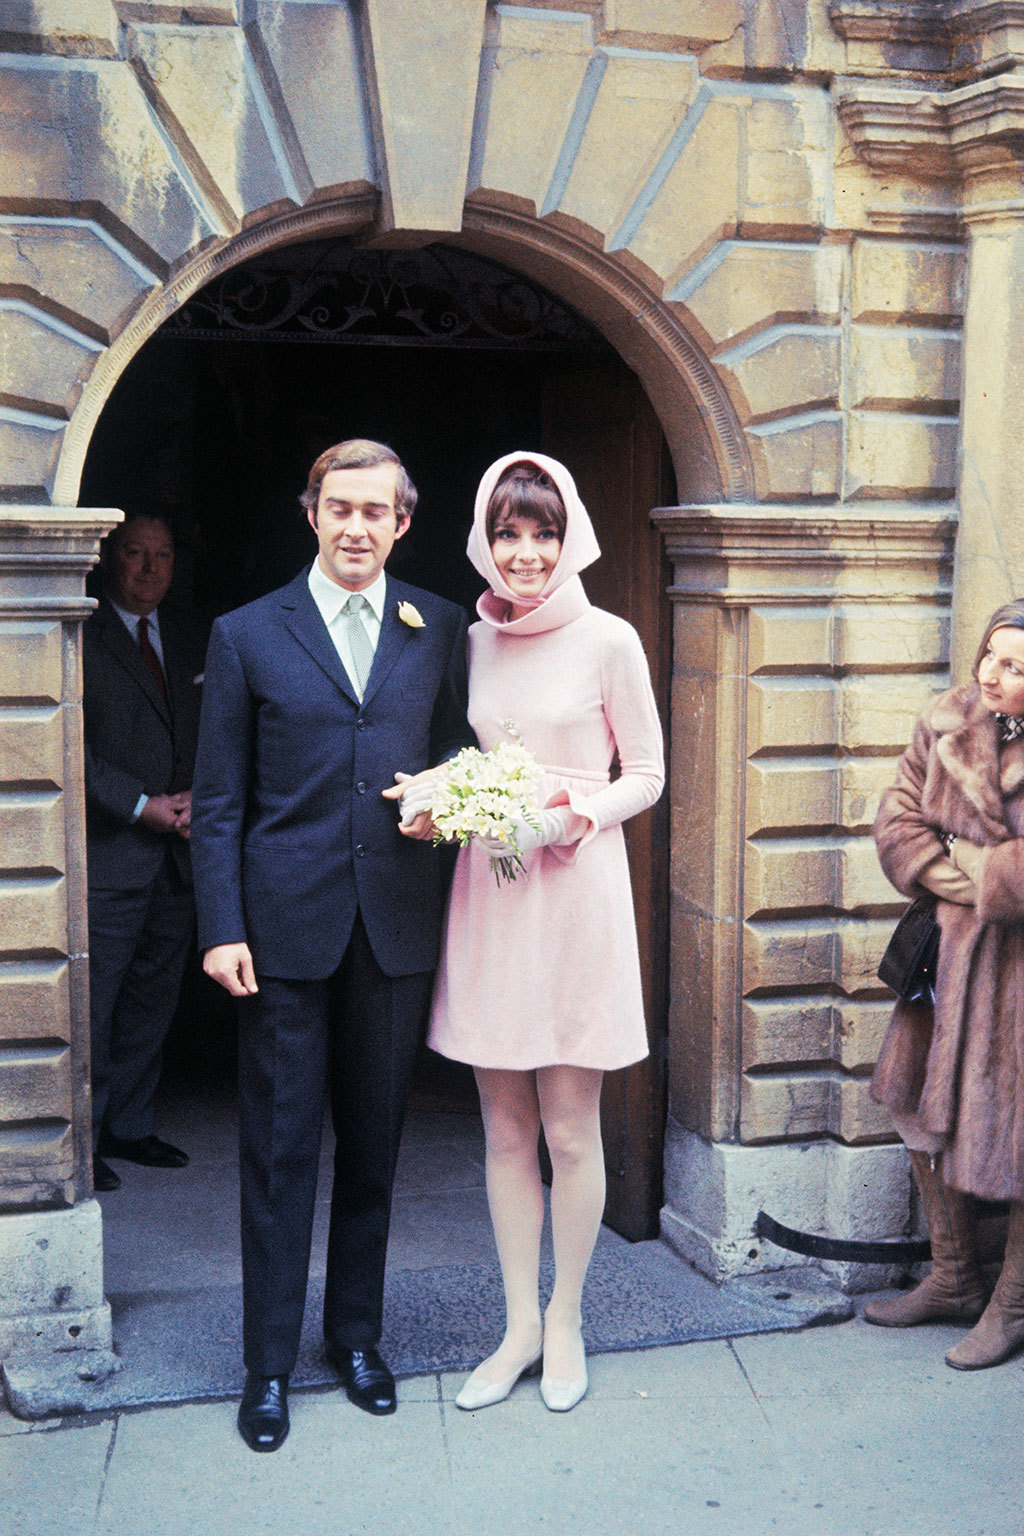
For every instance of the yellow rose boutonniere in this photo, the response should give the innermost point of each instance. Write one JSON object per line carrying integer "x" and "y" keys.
{"x": 410, "y": 615}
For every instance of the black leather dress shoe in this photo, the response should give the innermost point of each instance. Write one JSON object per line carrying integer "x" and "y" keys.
{"x": 150, "y": 1151}
{"x": 104, "y": 1179}
{"x": 368, "y": 1382}
{"x": 263, "y": 1412}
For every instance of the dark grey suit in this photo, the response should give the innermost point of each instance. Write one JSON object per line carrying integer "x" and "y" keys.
{"x": 140, "y": 885}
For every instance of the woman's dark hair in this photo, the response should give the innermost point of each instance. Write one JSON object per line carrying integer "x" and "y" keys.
{"x": 1009, "y": 616}
{"x": 525, "y": 490}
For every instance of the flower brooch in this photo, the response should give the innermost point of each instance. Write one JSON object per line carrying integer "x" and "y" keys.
{"x": 410, "y": 615}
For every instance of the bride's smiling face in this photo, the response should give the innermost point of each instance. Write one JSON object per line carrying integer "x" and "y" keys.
{"x": 525, "y": 553}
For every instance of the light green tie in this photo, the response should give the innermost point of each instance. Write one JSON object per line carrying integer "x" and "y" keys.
{"x": 360, "y": 645}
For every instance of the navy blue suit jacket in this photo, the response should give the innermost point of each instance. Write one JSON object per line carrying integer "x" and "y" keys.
{"x": 290, "y": 834}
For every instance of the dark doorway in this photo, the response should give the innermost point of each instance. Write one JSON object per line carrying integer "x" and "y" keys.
{"x": 453, "y": 361}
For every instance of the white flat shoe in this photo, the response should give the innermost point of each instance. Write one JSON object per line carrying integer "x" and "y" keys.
{"x": 560, "y": 1396}
{"x": 483, "y": 1394}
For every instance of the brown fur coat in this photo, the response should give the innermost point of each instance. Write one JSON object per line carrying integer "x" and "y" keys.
{"x": 964, "y": 1078}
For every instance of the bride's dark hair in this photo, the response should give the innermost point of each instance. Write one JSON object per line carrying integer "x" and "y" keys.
{"x": 525, "y": 490}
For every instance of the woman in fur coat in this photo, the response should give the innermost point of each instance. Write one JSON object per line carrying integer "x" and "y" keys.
{"x": 953, "y": 1076}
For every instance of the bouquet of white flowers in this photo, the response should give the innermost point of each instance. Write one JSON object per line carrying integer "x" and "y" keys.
{"x": 483, "y": 794}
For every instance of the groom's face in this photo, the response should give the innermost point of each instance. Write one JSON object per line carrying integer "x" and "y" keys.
{"x": 356, "y": 523}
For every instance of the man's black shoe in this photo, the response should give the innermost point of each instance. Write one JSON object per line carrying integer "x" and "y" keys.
{"x": 104, "y": 1179}
{"x": 263, "y": 1412}
{"x": 150, "y": 1151}
{"x": 368, "y": 1382}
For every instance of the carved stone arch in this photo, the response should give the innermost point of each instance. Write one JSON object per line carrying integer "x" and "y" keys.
{"x": 697, "y": 416}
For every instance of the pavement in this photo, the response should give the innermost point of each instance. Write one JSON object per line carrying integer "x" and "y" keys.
{"x": 845, "y": 1430}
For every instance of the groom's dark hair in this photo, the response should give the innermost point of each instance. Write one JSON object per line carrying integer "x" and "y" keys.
{"x": 360, "y": 453}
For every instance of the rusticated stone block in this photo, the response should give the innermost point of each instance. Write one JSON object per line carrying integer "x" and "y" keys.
{"x": 697, "y": 203}
{"x": 889, "y": 365}
{"x": 54, "y": 146}
{"x": 814, "y": 952}
{"x": 817, "y": 792}
{"x": 307, "y": 45}
{"x": 35, "y": 1083}
{"x": 44, "y": 1145}
{"x": 813, "y": 1104}
{"x": 40, "y": 362}
{"x": 892, "y": 454}
{"x": 794, "y": 1030}
{"x": 786, "y": 165}
{"x": 865, "y": 637}
{"x": 755, "y": 286}
{"x": 533, "y": 68}
{"x": 196, "y": 78}
{"x": 68, "y": 26}
{"x": 789, "y": 638}
{"x": 32, "y": 661}
{"x": 792, "y": 712}
{"x": 880, "y": 712}
{"x": 896, "y": 280}
{"x": 71, "y": 262}
{"x": 33, "y": 831}
{"x": 790, "y": 372}
{"x": 639, "y": 104}
{"x": 426, "y": 66}
{"x": 799, "y": 457}
{"x": 28, "y": 456}
{"x": 692, "y": 21}
{"x": 32, "y": 746}
{"x": 34, "y": 1001}
{"x": 788, "y": 875}
{"x": 872, "y": 637}
{"x": 33, "y": 914}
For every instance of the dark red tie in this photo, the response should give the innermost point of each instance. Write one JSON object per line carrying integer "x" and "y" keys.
{"x": 151, "y": 658}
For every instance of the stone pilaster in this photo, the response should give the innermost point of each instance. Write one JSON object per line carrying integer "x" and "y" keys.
{"x": 806, "y": 640}
{"x": 973, "y": 136}
{"x": 51, "y": 1271}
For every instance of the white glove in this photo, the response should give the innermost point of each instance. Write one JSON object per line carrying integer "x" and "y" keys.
{"x": 417, "y": 799}
{"x": 552, "y": 826}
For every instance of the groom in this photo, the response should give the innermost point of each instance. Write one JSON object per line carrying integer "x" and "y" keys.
{"x": 318, "y": 913}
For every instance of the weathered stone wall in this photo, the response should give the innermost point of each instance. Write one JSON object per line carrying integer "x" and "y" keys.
{"x": 766, "y": 209}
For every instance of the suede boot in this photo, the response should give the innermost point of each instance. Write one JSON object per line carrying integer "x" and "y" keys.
{"x": 952, "y": 1291}
{"x": 1000, "y": 1333}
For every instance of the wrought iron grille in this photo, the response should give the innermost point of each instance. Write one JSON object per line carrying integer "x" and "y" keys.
{"x": 337, "y": 292}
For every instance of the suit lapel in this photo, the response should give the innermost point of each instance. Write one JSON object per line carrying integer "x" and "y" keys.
{"x": 119, "y": 642}
{"x": 305, "y": 621}
{"x": 393, "y": 638}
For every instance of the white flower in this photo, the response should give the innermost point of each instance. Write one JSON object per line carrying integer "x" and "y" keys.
{"x": 411, "y": 615}
{"x": 484, "y": 794}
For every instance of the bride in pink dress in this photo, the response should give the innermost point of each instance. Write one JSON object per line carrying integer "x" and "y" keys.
{"x": 539, "y": 982}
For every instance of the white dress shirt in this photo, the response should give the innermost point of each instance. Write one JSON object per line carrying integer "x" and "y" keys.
{"x": 330, "y": 599}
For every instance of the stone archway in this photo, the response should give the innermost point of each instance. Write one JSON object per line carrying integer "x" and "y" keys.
{"x": 793, "y": 318}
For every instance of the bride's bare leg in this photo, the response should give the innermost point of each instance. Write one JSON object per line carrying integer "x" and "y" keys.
{"x": 570, "y": 1099}
{"x": 511, "y": 1115}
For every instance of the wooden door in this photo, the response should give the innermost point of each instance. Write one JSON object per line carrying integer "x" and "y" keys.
{"x": 600, "y": 424}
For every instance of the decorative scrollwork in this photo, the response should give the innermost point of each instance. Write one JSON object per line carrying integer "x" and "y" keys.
{"x": 333, "y": 291}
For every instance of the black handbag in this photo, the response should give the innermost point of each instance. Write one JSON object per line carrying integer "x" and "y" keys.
{"x": 912, "y": 954}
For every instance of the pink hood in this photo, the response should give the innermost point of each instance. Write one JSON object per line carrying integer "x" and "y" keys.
{"x": 563, "y": 598}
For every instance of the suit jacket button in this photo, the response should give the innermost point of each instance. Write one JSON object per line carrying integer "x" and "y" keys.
{"x": 360, "y": 851}
{"x": 360, "y": 788}
{"x": 360, "y": 724}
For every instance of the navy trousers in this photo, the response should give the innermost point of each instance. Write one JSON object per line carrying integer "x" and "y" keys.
{"x": 355, "y": 1034}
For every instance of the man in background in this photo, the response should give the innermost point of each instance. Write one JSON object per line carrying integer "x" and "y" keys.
{"x": 141, "y": 681}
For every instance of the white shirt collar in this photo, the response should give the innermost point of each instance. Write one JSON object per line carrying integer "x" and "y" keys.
{"x": 330, "y": 598}
{"x": 131, "y": 620}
